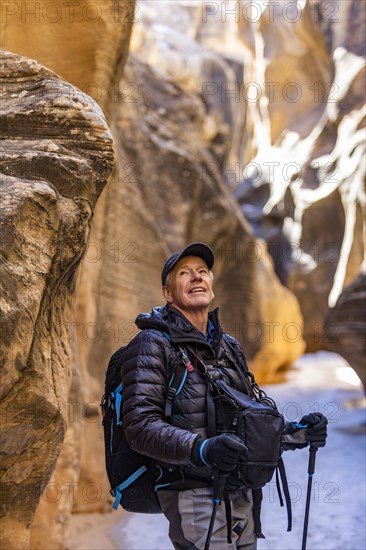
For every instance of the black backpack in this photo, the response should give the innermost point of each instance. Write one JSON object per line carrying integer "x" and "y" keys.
{"x": 132, "y": 476}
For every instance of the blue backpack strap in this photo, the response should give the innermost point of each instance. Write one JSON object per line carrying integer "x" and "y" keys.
{"x": 117, "y": 394}
{"x": 175, "y": 386}
{"x": 117, "y": 491}
{"x": 177, "y": 380}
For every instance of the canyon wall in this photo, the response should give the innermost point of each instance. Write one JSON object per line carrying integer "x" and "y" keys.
{"x": 282, "y": 86}
{"x": 239, "y": 128}
{"x": 56, "y": 156}
{"x": 303, "y": 185}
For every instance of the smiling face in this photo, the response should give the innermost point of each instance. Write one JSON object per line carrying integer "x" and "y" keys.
{"x": 190, "y": 286}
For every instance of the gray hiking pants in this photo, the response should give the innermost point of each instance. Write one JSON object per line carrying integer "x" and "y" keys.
{"x": 189, "y": 513}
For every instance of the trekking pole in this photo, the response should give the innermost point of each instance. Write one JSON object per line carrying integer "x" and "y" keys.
{"x": 219, "y": 482}
{"x": 311, "y": 469}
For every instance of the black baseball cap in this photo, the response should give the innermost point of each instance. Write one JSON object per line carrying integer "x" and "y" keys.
{"x": 195, "y": 249}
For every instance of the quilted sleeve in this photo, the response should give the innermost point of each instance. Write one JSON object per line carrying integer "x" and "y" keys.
{"x": 147, "y": 364}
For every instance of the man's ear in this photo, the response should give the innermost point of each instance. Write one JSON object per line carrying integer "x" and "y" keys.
{"x": 167, "y": 294}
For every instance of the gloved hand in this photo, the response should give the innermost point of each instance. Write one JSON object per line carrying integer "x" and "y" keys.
{"x": 293, "y": 437}
{"x": 312, "y": 429}
{"x": 221, "y": 451}
{"x": 316, "y": 428}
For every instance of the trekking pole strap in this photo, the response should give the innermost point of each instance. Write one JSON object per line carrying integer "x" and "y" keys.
{"x": 257, "y": 504}
{"x": 286, "y": 492}
{"x": 210, "y": 529}
{"x": 219, "y": 482}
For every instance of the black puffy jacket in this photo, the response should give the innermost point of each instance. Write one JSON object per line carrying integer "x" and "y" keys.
{"x": 148, "y": 364}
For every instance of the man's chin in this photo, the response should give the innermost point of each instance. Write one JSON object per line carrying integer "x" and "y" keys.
{"x": 200, "y": 301}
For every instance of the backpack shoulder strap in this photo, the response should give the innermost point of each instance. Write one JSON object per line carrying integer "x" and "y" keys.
{"x": 233, "y": 353}
{"x": 236, "y": 357}
{"x": 175, "y": 385}
{"x": 211, "y": 387}
{"x": 182, "y": 367}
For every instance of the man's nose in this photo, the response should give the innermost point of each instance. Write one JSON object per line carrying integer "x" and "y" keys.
{"x": 196, "y": 275}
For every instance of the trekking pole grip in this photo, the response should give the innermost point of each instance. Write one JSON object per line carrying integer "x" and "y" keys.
{"x": 219, "y": 482}
{"x": 311, "y": 465}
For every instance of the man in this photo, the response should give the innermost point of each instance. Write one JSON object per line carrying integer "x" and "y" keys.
{"x": 180, "y": 444}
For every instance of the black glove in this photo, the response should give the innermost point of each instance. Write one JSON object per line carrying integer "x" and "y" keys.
{"x": 315, "y": 425}
{"x": 312, "y": 429}
{"x": 221, "y": 451}
{"x": 293, "y": 437}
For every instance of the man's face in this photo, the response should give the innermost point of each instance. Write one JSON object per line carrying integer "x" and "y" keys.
{"x": 190, "y": 285}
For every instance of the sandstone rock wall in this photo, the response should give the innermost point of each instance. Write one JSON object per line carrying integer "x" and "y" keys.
{"x": 85, "y": 42}
{"x": 288, "y": 79}
{"x": 345, "y": 326}
{"x": 189, "y": 130}
{"x": 303, "y": 188}
{"x": 56, "y": 156}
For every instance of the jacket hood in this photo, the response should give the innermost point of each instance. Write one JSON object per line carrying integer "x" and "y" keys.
{"x": 154, "y": 320}
{"x": 181, "y": 331}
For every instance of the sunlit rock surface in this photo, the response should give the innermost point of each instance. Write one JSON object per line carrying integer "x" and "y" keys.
{"x": 303, "y": 187}
{"x": 345, "y": 326}
{"x": 189, "y": 131}
{"x": 283, "y": 90}
{"x": 56, "y": 156}
{"x": 85, "y": 42}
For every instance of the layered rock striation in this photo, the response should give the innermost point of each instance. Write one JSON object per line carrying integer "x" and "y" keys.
{"x": 85, "y": 42}
{"x": 303, "y": 185}
{"x": 267, "y": 106}
{"x": 345, "y": 326}
{"x": 56, "y": 156}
